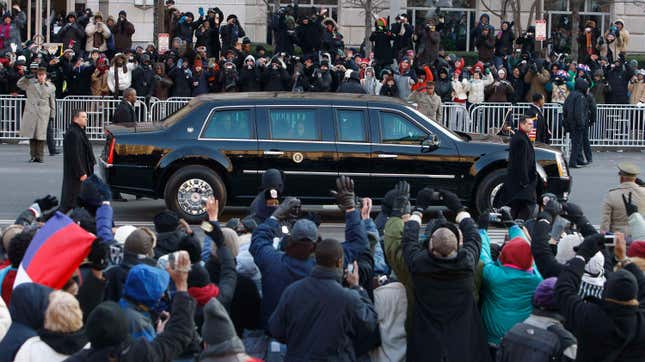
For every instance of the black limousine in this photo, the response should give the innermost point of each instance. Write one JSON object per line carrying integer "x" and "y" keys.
{"x": 220, "y": 144}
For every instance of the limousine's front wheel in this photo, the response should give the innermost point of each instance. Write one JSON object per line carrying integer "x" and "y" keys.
{"x": 489, "y": 190}
{"x": 188, "y": 187}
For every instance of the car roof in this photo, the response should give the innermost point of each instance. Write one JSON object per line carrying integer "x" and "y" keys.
{"x": 330, "y": 97}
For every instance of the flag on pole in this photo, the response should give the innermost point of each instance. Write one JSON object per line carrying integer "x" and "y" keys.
{"x": 55, "y": 252}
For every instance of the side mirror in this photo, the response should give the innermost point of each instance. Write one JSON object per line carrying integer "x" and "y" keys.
{"x": 430, "y": 144}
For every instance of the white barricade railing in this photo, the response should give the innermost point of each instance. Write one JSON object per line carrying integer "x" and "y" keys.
{"x": 162, "y": 109}
{"x": 11, "y": 109}
{"x": 456, "y": 117}
{"x": 99, "y": 114}
{"x": 618, "y": 125}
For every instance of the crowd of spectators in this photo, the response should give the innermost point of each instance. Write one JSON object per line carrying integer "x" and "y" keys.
{"x": 210, "y": 52}
{"x": 271, "y": 287}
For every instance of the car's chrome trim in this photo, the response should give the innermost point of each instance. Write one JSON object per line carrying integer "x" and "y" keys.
{"x": 355, "y": 174}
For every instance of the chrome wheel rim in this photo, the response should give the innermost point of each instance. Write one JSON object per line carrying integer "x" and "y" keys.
{"x": 190, "y": 195}
{"x": 493, "y": 194}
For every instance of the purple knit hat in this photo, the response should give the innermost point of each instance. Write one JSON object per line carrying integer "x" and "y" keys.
{"x": 544, "y": 296}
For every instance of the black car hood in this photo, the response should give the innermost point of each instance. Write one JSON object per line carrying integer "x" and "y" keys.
{"x": 501, "y": 140}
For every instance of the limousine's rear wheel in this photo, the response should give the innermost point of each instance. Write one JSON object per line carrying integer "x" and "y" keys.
{"x": 489, "y": 190}
{"x": 188, "y": 186}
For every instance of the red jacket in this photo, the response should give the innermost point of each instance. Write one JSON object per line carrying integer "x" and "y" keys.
{"x": 422, "y": 85}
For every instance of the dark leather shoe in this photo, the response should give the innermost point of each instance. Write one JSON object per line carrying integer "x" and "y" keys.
{"x": 38, "y": 160}
{"x": 574, "y": 166}
{"x": 54, "y": 153}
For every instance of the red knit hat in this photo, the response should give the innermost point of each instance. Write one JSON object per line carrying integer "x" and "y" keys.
{"x": 517, "y": 253}
{"x": 198, "y": 62}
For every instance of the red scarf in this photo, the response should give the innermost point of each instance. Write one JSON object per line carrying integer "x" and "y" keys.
{"x": 5, "y": 29}
{"x": 203, "y": 294}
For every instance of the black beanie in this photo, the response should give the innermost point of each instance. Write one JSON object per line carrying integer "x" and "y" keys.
{"x": 198, "y": 276}
{"x": 192, "y": 246}
{"x": 621, "y": 286}
{"x": 272, "y": 178}
{"x": 91, "y": 189}
{"x": 232, "y": 16}
{"x": 166, "y": 221}
{"x": 106, "y": 325}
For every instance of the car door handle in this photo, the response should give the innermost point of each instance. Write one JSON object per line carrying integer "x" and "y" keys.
{"x": 276, "y": 153}
{"x": 386, "y": 155}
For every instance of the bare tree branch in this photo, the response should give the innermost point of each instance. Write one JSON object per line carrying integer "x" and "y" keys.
{"x": 488, "y": 9}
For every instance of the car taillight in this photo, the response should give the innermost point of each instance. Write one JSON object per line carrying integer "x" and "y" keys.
{"x": 110, "y": 154}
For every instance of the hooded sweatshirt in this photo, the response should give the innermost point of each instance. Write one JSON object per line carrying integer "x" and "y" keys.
{"x": 28, "y": 305}
{"x": 143, "y": 289}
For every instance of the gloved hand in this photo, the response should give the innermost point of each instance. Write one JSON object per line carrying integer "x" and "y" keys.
{"x": 451, "y": 201}
{"x": 590, "y": 246}
{"x": 484, "y": 220}
{"x": 401, "y": 206}
{"x": 182, "y": 19}
{"x": 403, "y": 189}
{"x": 200, "y": 10}
{"x": 180, "y": 62}
{"x": 47, "y": 203}
{"x": 630, "y": 208}
{"x": 98, "y": 256}
{"x": 572, "y": 212}
{"x": 289, "y": 208}
{"x": 553, "y": 208}
{"x": 506, "y": 217}
{"x": 424, "y": 199}
{"x": 640, "y": 182}
{"x": 345, "y": 197}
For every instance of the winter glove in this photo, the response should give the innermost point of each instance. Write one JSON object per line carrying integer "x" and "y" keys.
{"x": 345, "y": 197}
{"x": 553, "y": 208}
{"x": 98, "y": 256}
{"x": 572, "y": 212}
{"x": 640, "y": 182}
{"x": 590, "y": 246}
{"x": 451, "y": 201}
{"x": 289, "y": 208}
{"x": 424, "y": 199}
{"x": 200, "y": 11}
{"x": 507, "y": 219}
{"x": 182, "y": 19}
{"x": 215, "y": 234}
{"x": 402, "y": 188}
{"x": 484, "y": 221}
{"x": 401, "y": 206}
{"x": 47, "y": 203}
{"x": 630, "y": 207}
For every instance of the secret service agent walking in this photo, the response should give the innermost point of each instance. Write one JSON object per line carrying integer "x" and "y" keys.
{"x": 78, "y": 160}
{"x": 39, "y": 110}
{"x": 614, "y": 216}
{"x": 521, "y": 176}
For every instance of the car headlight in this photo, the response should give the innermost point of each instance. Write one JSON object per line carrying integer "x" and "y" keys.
{"x": 562, "y": 166}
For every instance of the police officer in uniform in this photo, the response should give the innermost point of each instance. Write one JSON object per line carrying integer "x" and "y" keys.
{"x": 614, "y": 217}
{"x": 40, "y": 111}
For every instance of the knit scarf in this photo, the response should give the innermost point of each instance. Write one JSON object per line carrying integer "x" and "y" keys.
{"x": 116, "y": 81}
{"x": 203, "y": 294}
{"x": 588, "y": 42}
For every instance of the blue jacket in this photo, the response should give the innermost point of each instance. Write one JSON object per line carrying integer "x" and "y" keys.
{"x": 327, "y": 329}
{"x": 506, "y": 292}
{"x": 278, "y": 269}
{"x": 143, "y": 289}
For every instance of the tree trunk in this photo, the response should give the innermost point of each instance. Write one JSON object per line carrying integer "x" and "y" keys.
{"x": 575, "y": 26}
{"x": 368, "y": 27}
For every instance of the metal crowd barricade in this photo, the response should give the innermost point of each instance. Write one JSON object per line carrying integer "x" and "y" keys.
{"x": 99, "y": 114}
{"x": 11, "y": 108}
{"x": 161, "y": 109}
{"x": 456, "y": 117}
{"x": 618, "y": 125}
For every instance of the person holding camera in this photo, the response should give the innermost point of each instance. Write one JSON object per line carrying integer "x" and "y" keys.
{"x": 123, "y": 30}
{"x": 428, "y": 41}
{"x": 40, "y": 110}
{"x": 97, "y": 34}
{"x": 231, "y": 32}
{"x": 11, "y": 28}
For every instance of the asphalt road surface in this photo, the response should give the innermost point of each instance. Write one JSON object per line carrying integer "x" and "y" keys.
{"x": 22, "y": 182}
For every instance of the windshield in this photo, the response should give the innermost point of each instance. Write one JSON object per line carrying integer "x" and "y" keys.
{"x": 439, "y": 127}
{"x": 179, "y": 114}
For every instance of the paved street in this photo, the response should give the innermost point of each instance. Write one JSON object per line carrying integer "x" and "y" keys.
{"x": 22, "y": 182}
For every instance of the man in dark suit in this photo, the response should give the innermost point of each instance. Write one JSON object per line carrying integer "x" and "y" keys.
{"x": 542, "y": 131}
{"x": 521, "y": 175}
{"x": 78, "y": 160}
{"x": 125, "y": 112}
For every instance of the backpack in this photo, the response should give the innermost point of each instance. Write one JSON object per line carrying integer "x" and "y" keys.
{"x": 527, "y": 343}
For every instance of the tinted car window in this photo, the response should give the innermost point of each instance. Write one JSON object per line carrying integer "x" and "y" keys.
{"x": 351, "y": 125}
{"x": 229, "y": 124}
{"x": 294, "y": 124}
{"x": 396, "y": 129}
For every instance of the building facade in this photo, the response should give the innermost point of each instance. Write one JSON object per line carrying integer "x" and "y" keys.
{"x": 458, "y": 16}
